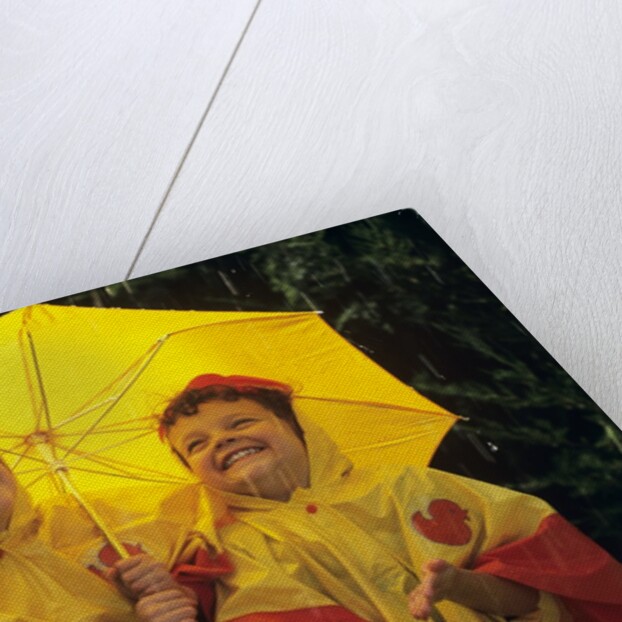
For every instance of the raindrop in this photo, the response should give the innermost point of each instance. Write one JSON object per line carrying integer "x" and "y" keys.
{"x": 482, "y": 450}
{"x": 308, "y": 300}
{"x": 435, "y": 274}
{"x": 228, "y": 283}
{"x": 343, "y": 270}
{"x": 465, "y": 469}
{"x": 492, "y": 446}
{"x": 382, "y": 272}
{"x": 360, "y": 346}
{"x": 431, "y": 367}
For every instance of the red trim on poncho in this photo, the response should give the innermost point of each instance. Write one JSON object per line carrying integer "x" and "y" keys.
{"x": 200, "y": 577}
{"x": 557, "y": 559}
{"x": 313, "y": 614}
{"x": 560, "y": 560}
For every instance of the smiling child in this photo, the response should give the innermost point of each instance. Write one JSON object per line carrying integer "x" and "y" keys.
{"x": 37, "y": 584}
{"x": 311, "y": 537}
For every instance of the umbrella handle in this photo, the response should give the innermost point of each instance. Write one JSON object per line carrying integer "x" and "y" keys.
{"x": 114, "y": 542}
{"x": 61, "y": 471}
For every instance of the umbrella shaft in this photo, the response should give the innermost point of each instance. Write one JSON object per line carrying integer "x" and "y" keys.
{"x": 60, "y": 470}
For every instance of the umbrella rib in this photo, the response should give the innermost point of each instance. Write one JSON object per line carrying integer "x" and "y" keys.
{"x": 86, "y": 410}
{"x": 12, "y": 452}
{"x": 37, "y": 479}
{"x": 77, "y": 456}
{"x": 28, "y": 471}
{"x": 118, "y": 397}
{"x": 44, "y": 398}
{"x": 286, "y": 316}
{"x": 107, "y": 431}
{"x": 82, "y": 413}
{"x": 57, "y": 485}
{"x": 171, "y": 480}
{"x": 380, "y": 405}
{"x": 108, "y": 464}
{"x": 111, "y": 427}
{"x": 118, "y": 379}
{"x": 394, "y": 441}
{"x": 28, "y": 377}
{"x": 21, "y": 454}
{"x": 19, "y": 459}
{"x": 118, "y": 425}
{"x": 112, "y": 463}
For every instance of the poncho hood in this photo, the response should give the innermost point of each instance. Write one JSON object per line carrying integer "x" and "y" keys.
{"x": 327, "y": 466}
{"x": 39, "y": 584}
{"x": 25, "y": 519}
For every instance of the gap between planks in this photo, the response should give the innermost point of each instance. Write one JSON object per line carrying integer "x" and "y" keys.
{"x": 193, "y": 138}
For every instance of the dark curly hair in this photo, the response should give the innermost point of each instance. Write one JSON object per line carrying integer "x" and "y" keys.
{"x": 187, "y": 403}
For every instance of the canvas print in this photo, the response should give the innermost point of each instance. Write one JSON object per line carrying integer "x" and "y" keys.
{"x": 346, "y": 426}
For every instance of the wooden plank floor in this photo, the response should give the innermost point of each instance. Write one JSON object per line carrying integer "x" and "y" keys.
{"x": 136, "y": 138}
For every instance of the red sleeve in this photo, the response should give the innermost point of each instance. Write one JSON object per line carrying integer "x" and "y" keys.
{"x": 200, "y": 577}
{"x": 313, "y": 614}
{"x": 560, "y": 560}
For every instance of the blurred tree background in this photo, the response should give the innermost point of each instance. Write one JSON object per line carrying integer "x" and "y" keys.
{"x": 394, "y": 289}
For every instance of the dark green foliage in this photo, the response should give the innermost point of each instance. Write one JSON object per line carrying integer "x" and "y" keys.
{"x": 394, "y": 289}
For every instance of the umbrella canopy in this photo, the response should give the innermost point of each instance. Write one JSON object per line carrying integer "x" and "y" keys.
{"x": 81, "y": 386}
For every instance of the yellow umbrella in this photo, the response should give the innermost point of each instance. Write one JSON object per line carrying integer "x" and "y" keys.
{"x": 81, "y": 386}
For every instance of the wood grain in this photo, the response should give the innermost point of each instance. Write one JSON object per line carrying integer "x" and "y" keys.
{"x": 500, "y": 122}
{"x": 98, "y": 102}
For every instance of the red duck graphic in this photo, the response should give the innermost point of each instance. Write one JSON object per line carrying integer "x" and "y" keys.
{"x": 446, "y": 525}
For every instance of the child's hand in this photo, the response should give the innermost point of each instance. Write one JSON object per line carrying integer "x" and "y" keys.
{"x": 478, "y": 591}
{"x": 173, "y": 605}
{"x": 141, "y": 575}
{"x": 160, "y": 598}
{"x": 436, "y": 584}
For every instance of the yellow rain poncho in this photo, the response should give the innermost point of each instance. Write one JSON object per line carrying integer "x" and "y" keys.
{"x": 52, "y": 558}
{"x": 350, "y": 547}
{"x": 37, "y": 584}
{"x": 163, "y": 521}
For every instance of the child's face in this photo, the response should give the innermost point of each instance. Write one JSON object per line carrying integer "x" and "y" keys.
{"x": 8, "y": 491}
{"x": 242, "y": 447}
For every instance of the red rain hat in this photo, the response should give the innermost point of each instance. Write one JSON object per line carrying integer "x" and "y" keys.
{"x": 237, "y": 382}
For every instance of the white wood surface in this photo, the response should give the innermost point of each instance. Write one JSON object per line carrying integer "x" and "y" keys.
{"x": 98, "y": 102}
{"x": 499, "y": 122}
